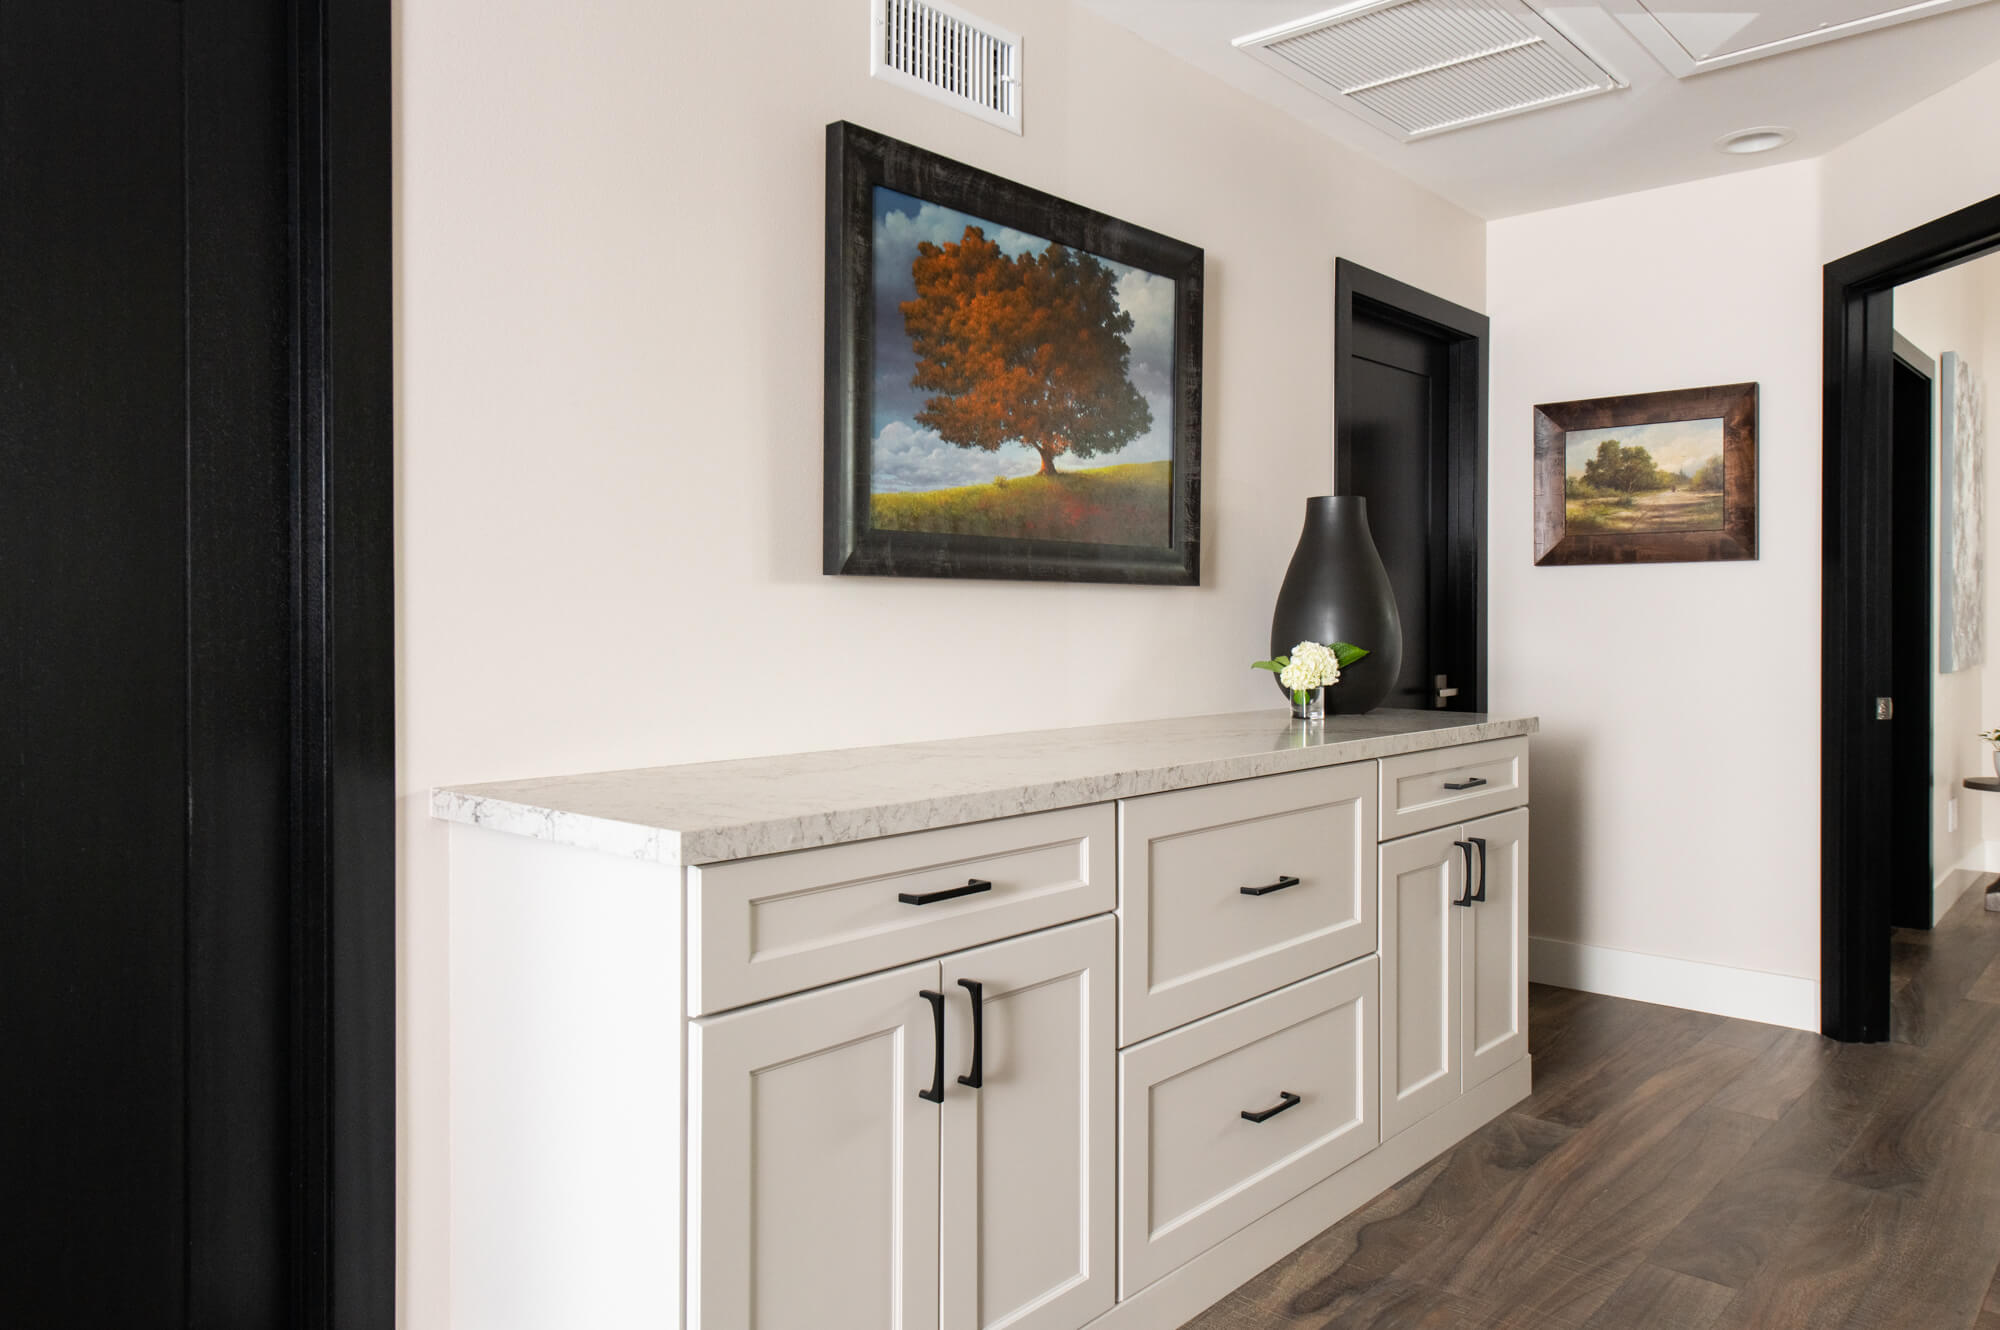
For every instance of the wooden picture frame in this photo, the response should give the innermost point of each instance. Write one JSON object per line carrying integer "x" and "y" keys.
{"x": 1664, "y": 523}
{"x": 859, "y": 163}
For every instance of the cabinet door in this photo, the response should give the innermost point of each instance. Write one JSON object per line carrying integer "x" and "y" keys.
{"x": 1029, "y": 1157}
{"x": 813, "y": 1163}
{"x": 1496, "y": 949}
{"x": 1422, "y": 877}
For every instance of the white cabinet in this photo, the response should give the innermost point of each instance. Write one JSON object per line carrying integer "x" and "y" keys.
{"x": 1454, "y": 962}
{"x": 812, "y": 1164}
{"x": 1035, "y": 1032}
{"x": 830, "y": 1191}
{"x": 1028, "y": 1158}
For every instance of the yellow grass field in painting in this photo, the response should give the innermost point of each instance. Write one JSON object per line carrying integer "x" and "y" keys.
{"x": 1658, "y": 510}
{"x": 1110, "y": 505}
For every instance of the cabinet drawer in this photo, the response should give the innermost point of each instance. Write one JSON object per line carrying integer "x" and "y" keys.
{"x": 758, "y": 928}
{"x": 1421, "y": 791}
{"x": 1192, "y": 1168}
{"x": 1228, "y": 891}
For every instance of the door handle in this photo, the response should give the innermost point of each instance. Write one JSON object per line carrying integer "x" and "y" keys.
{"x": 972, "y": 887}
{"x": 1481, "y": 843}
{"x": 1279, "y": 885}
{"x": 1440, "y": 694}
{"x": 1466, "y": 900}
{"x": 1472, "y": 784}
{"x": 936, "y": 1093}
{"x": 977, "y": 1076}
{"x": 1286, "y": 1099}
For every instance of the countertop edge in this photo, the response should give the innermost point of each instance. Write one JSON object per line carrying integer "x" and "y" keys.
{"x": 839, "y": 825}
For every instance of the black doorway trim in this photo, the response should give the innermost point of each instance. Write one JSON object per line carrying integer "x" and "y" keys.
{"x": 1857, "y": 658}
{"x": 344, "y": 975}
{"x": 1465, "y": 333}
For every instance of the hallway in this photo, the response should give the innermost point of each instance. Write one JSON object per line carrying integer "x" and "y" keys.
{"x": 1680, "y": 1171}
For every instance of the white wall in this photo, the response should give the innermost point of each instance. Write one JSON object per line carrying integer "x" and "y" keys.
{"x": 1935, "y": 158}
{"x": 1676, "y": 776}
{"x": 609, "y": 339}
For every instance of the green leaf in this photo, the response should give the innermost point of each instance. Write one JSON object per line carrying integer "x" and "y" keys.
{"x": 1274, "y": 666}
{"x": 1346, "y": 653}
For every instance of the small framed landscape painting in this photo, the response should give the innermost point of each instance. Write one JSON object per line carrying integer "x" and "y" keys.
{"x": 1013, "y": 382}
{"x": 1650, "y": 478}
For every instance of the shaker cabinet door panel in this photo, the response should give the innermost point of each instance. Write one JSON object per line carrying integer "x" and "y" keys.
{"x": 813, "y": 1163}
{"x": 1228, "y": 891}
{"x": 1496, "y": 948}
{"x": 1029, "y": 1156}
{"x": 1421, "y": 976}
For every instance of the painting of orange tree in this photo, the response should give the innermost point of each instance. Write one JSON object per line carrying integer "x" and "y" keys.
{"x": 1659, "y": 477}
{"x": 1022, "y": 389}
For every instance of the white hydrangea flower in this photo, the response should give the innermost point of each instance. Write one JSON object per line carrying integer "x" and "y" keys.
{"x": 1312, "y": 666}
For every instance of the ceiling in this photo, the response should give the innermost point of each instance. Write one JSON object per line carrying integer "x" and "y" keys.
{"x": 1659, "y": 130}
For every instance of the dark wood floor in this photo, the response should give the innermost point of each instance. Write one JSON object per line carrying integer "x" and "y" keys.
{"x": 1678, "y": 1171}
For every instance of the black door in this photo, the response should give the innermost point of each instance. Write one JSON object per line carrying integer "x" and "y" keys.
{"x": 1913, "y": 634}
{"x": 1393, "y": 418}
{"x": 184, "y": 1018}
{"x": 1410, "y": 438}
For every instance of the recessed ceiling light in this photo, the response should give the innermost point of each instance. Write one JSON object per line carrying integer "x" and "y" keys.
{"x": 1761, "y": 139}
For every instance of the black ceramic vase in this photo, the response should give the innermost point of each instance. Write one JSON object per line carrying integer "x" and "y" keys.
{"x": 1337, "y": 591}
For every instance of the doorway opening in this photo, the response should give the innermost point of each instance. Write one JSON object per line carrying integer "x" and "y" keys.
{"x": 1873, "y": 770}
{"x": 1410, "y": 437}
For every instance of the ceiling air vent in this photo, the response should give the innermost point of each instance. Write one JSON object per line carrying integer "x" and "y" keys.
{"x": 946, "y": 54}
{"x": 1421, "y": 67}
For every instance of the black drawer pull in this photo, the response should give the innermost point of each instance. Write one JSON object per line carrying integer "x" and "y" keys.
{"x": 971, "y": 888}
{"x": 1466, "y": 900}
{"x": 936, "y": 1093}
{"x": 1286, "y": 1099}
{"x": 1481, "y": 843}
{"x": 1472, "y": 784}
{"x": 977, "y": 1076}
{"x": 1279, "y": 885}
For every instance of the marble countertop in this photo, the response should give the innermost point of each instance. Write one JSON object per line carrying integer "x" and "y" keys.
{"x": 711, "y": 811}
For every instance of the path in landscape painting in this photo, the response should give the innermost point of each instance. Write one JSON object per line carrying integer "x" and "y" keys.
{"x": 1106, "y": 505}
{"x": 1657, "y": 510}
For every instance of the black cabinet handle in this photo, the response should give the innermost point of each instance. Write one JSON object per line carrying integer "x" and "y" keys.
{"x": 1482, "y": 866}
{"x": 1286, "y": 1099}
{"x": 936, "y": 1093}
{"x": 1472, "y": 784}
{"x": 1279, "y": 885}
{"x": 1466, "y": 900}
{"x": 971, "y": 888}
{"x": 977, "y": 1077}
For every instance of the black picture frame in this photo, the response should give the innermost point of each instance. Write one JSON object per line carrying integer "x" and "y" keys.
{"x": 1734, "y": 404}
{"x": 858, "y": 160}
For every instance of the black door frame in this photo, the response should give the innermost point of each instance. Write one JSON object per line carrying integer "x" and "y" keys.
{"x": 1464, "y": 333}
{"x": 1857, "y": 599}
{"x": 344, "y": 977}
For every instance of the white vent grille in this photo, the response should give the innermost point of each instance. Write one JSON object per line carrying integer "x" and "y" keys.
{"x": 948, "y": 55}
{"x": 1421, "y": 67}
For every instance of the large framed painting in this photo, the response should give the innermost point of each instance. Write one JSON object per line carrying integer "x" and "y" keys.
{"x": 1013, "y": 382}
{"x": 1648, "y": 478}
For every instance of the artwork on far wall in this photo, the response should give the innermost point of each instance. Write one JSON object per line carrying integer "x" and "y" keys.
{"x": 1961, "y": 524}
{"x": 1013, "y": 382}
{"x": 1665, "y": 477}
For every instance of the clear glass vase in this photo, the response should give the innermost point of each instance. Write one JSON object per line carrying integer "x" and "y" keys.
{"x": 1309, "y": 703}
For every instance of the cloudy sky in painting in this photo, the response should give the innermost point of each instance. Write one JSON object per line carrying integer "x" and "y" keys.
{"x": 909, "y": 457}
{"x": 1676, "y": 445}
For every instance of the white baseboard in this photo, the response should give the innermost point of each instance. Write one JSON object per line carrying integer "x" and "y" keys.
{"x": 1981, "y": 858}
{"x": 1751, "y": 995}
